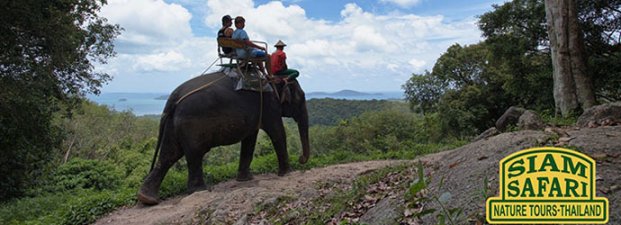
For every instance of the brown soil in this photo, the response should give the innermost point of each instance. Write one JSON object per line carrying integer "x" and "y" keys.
{"x": 229, "y": 202}
{"x": 462, "y": 171}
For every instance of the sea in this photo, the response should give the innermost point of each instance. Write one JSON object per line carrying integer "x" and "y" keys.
{"x": 141, "y": 104}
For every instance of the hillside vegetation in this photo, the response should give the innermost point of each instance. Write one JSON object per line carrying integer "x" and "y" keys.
{"x": 328, "y": 111}
{"x": 105, "y": 155}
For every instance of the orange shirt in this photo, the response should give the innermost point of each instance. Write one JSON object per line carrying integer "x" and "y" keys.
{"x": 278, "y": 61}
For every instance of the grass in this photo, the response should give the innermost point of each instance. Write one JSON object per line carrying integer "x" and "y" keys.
{"x": 84, "y": 206}
{"x": 549, "y": 117}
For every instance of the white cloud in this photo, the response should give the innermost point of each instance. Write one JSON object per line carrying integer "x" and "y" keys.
{"x": 148, "y": 22}
{"x": 416, "y": 64}
{"x": 403, "y": 3}
{"x": 361, "y": 51}
{"x": 165, "y": 61}
{"x": 362, "y": 45}
{"x": 157, "y": 37}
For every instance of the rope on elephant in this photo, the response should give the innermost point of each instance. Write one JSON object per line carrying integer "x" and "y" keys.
{"x": 209, "y": 67}
{"x": 260, "y": 104}
{"x": 199, "y": 88}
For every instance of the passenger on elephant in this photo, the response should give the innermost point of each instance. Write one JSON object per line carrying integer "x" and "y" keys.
{"x": 279, "y": 64}
{"x": 226, "y": 32}
{"x": 256, "y": 51}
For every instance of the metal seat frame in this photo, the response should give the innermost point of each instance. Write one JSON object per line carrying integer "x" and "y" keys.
{"x": 224, "y": 42}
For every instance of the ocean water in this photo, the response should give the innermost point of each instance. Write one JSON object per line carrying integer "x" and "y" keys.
{"x": 138, "y": 103}
{"x": 153, "y": 103}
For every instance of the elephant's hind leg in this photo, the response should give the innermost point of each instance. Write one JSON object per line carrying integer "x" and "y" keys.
{"x": 170, "y": 154}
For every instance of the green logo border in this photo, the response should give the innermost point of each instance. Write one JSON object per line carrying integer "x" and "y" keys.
{"x": 518, "y": 220}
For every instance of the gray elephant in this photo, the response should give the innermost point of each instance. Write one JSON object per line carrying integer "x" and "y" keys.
{"x": 206, "y": 112}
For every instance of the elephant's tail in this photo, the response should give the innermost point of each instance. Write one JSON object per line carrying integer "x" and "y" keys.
{"x": 167, "y": 116}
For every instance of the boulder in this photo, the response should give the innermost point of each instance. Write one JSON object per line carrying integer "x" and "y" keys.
{"x": 601, "y": 115}
{"x": 486, "y": 134}
{"x": 529, "y": 120}
{"x": 510, "y": 117}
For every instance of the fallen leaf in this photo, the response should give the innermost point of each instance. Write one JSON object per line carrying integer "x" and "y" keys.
{"x": 408, "y": 212}
{"x": 454, "y": 164}
{"x": 565, "y": 139}
{"x": 599, "y": 156}
{"x": 369, "y": 198}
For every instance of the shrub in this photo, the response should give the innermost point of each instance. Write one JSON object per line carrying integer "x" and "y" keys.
{"x": 387, "y": 130}
{"x": 86, "y": 174}
{"x": 88, "y": 208}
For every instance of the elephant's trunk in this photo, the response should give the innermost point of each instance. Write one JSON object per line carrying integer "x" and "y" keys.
{"x": 302, "y": 120}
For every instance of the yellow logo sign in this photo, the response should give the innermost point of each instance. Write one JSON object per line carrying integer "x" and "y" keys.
{"x": 547, "y": 186}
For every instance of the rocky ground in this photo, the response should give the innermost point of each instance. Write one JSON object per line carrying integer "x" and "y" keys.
{"x": 459, "y": 178}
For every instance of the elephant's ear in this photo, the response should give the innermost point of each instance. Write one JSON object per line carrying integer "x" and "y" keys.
{"x": 297, "y": 92}
{"x": 285, "y": 95}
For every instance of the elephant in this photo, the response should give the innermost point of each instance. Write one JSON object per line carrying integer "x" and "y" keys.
{"x": 206, "y": 111}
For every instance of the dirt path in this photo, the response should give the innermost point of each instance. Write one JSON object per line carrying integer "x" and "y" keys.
{"x": 229, "y": 202}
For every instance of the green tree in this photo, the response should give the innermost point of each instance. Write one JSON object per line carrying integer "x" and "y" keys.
{"x": 470, "y": 87}
{"x": 96, "y": 132}
{"x": 465, "y": 89}
{"x": 423, "y": 91}
{"x": 328, "y": 111}
{"x": 602, "y": 29}
{"x": 517, "y": 34}
{"x": 48, "y": 49}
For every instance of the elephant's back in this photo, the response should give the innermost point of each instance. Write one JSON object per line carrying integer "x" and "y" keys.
{"x": 217, "y": 82}
{"x": 207, "y": 81}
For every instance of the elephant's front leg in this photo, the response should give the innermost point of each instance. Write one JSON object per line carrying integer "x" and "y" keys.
{"x": 194, "y": 158}
{"x": 245, "y": 158}
{"x": 279, "y": 141}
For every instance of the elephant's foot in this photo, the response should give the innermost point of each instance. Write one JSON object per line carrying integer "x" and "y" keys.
{"x": 199, "y": 187}
{"x": 284, "y": 172}
{"x": 147, "y": 199}
{"x": 244, "y": 176}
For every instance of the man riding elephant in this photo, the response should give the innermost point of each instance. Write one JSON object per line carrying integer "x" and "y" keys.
{"x": 279, "y": 64}
{"x": 256, "y": 51}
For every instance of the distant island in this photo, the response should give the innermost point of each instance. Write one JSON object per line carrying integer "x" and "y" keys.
{"x": 341, "y": 93}
{"x": 345, "y": 93}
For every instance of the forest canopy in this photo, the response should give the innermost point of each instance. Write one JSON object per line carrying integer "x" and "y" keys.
{"x": 48, "y": 50}
{"x": 471, "y": 86}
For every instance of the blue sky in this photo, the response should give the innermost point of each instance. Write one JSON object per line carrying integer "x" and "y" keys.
{"x": 358, "y": 45}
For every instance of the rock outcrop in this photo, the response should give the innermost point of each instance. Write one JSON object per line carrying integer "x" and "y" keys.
{"x": 601, "y": 115}
{"x": 510, "y": 117}
{"x": 529, "y": 120}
